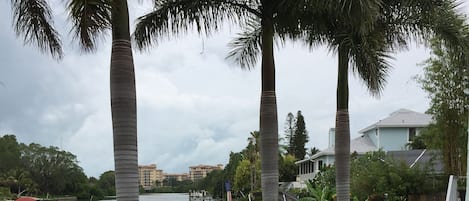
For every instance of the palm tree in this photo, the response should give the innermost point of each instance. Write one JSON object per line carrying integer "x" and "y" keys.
{"x": 91, "y": 19}
{"x": 178, "y": 16}
{"x": 340, "y": 25}
{"x": 252, "y": 152}
{"x": 366, "y": 44}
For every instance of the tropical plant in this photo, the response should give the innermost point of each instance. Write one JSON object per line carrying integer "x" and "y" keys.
{"x": 33, "y": 22}
{"x": 445, "y": 78}
{"x": 315, "y": 193}
{"x": 261, "y": 17}
{"x": 313, "y": 151}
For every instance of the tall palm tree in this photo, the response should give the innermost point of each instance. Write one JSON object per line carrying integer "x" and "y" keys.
{"x": 178, "y": 16}
{"x": 344, "y": 26}
{"x": 366, "y": 44}
{"x": 33, "y": 22}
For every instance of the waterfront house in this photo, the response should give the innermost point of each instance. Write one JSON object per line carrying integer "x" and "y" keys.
{"x": 392, "y": 133}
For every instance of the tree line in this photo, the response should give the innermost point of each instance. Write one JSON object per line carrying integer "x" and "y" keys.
{"x": 243, "y": 170}
{"x": 41, "y": 171}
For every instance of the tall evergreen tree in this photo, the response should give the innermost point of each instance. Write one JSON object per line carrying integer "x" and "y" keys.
{"x": 290, "y": 132}
{"x": 300, "y": 138}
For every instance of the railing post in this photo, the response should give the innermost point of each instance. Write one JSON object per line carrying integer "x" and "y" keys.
{"x": 451, "y": 193}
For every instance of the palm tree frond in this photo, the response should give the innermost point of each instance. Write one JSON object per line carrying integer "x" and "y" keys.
{"x": 90, "y": 18}
{"x": 245, "y": 49}
{"x": 369, "y": 56}
{"x": 179, "y": 16}
{"x": 33, "y": 22}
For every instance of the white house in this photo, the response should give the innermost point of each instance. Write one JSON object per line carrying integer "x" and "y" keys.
{"x": 389, "y": 134}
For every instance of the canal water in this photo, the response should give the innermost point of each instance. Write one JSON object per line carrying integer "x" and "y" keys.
{"x": 164, "y": 197}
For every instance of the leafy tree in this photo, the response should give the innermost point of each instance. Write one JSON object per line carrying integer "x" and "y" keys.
{"x": 445, "y": 78}
{"x": 42, "y": 170}
{"x": 5, "y": 192}
{"x": 418, "y": 142}
{"x": 325, "y": 178}
{"x": 107, "y": 183}
{"x": 213, "y": 183}
{"x": 300, "y": 138}
{"x": 288, "y": 169}
{"x": 243, "y": 175}
{"x": 94, "y": 190}
{"x": 54, "y": 171}
{"x": 230, "y": 169}
{"x": 9, "y": 153}
{"x": 172, "y": 185}
{"x": 33, "y": 22}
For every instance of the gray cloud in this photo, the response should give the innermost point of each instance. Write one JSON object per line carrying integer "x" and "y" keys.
{"x": 192, "y": 108}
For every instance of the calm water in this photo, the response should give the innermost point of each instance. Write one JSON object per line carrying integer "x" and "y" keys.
{"x": 164, "y": 197}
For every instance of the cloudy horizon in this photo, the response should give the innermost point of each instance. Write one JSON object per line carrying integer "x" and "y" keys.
{"x": 193, "y": 106}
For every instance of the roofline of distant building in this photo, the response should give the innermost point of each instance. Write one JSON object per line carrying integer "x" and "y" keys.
{"x": 374, "y": 126}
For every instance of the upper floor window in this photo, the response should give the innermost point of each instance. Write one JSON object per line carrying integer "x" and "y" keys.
{"x": 412, "y": 134}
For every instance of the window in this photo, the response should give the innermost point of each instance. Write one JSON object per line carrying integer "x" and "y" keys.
{"x": 310, "y": 167}
{"x": 412, "y": 134}
{"x": 320, "y": 165}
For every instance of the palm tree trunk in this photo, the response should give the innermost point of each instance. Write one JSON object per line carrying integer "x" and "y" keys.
{"x": 342, "y": 139}
{"x": 123, "y": 105}
{"x": 268, "y": 116}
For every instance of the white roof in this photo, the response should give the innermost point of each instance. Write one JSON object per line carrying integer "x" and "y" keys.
{"x": 360, "y": 145}
{"x": 402, "y": 118}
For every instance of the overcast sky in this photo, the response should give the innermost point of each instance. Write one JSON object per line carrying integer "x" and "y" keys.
{"x": 193, "y": 106}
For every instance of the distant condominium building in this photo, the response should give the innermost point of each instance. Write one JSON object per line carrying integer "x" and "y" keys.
{"x": 177, "y": 177}
{"x": 201, "y": 171}
{"x": 149, "y": 176}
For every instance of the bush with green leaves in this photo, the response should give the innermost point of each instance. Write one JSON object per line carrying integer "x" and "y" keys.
{"x": 377, "y": 177}
{"x": 315, "y": 193}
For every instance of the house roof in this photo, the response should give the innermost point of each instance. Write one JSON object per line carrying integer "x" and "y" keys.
{"x": 401, "y": 118}
{"x": 360, "y": 145}
{"x": 419, "y": 157}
